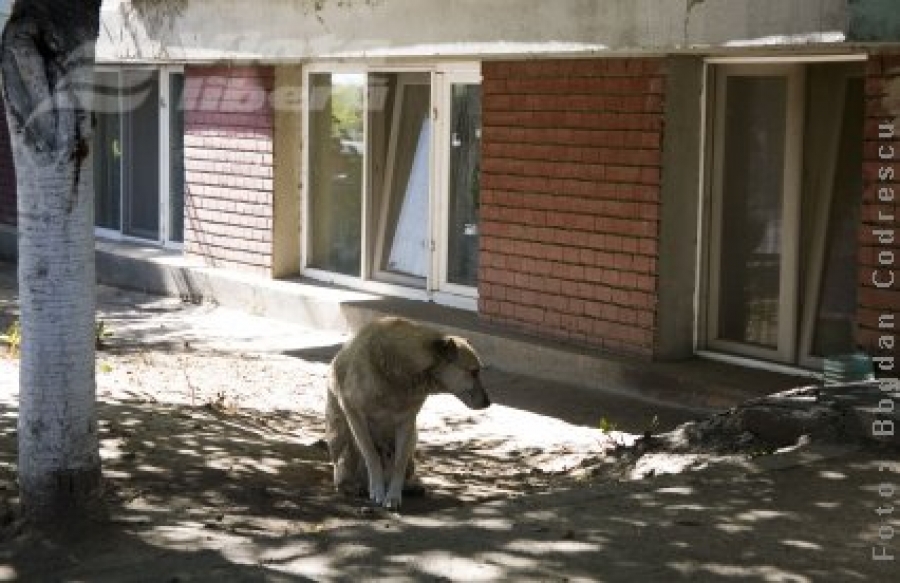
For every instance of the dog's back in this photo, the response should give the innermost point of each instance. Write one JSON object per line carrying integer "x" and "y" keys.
{"x": 382, "y": 365}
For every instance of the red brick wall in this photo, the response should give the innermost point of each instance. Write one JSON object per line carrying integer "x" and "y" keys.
{"x": 880, "y": 256}
{"x": 228, "y": 166}
{"x": 570, "y": 199}
{"x": 7, "y": 175}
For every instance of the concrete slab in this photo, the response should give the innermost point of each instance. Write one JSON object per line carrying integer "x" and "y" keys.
{"x": 693, "y": 385}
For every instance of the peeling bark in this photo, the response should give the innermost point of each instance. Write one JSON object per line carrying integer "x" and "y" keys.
{"x": 47, "y": 66}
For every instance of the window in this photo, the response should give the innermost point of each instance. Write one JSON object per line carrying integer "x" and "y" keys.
{"x": 139, "y": 154}
{"x": 785, "y": 165}
{"x": 392, "y": 195}
{"x": 463, "y": 184}
{"x": 336, "y": 172}
{"x": 400, "y": 157}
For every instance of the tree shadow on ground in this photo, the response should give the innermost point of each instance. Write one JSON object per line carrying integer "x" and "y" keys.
{"x": 193, "y": 489}
{"x": 201, "y": 493}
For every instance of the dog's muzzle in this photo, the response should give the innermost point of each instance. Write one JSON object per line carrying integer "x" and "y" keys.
{"x": 475, "y": 397}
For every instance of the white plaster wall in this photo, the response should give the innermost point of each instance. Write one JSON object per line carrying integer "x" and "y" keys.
{"x": 274, "y": 30}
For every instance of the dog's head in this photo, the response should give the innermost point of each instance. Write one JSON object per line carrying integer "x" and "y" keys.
{"x": 457, "y": 371}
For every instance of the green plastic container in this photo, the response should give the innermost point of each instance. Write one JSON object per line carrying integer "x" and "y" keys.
{"x": 848, "y": 368}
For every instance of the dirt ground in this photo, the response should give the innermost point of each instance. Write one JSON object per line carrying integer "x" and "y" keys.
{"x": 208, "y": 423}
{"x": 216, "y": 469}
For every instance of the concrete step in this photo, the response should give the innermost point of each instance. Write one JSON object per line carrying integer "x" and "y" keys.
{"x": 696, "y": 384}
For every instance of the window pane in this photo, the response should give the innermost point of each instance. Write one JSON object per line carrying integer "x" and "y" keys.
{"x": 335, "y": 157}
{"x": 751, "y": 229}
{"x": 140, "y": 128}
{"x": 176, "y": 157}
{"x": 107, "y": 152}
{"x": 465, "y": 157}
{"x": 400, "y": 151}
{"x": 833, "y": 332}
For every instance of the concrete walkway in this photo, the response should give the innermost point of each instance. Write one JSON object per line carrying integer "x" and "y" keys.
{"x": 213, "y": 326}
{"x": 697, "y": 384}
{"x": 311, "y": 321}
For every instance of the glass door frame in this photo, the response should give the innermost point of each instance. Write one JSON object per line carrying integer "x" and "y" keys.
{"x": 163, "y": 78}
{"x": 443, "y": 97}
{"x": 380, "y": 217}
{"x": 436, "y": 289}
{"x": 365, "y": 280}
{"x": 820, "y": 221}
{"x": 165, "y": 150}
{"x": 107, "y": 232}
{"x": 789, "y": 273}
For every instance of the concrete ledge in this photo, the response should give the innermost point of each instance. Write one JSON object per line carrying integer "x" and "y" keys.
{"x": 164, "y": 272}
{"x": 693, "y": 384}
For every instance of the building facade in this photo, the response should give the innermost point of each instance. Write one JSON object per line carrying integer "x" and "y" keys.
{"x": 658, "y": 179}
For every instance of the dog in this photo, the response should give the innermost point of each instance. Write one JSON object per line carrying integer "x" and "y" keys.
{"x": 379, "y": 381}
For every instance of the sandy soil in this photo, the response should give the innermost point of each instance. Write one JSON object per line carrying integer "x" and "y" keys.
{"x": 215, "y": 469}
{"x": 211, "y": 421}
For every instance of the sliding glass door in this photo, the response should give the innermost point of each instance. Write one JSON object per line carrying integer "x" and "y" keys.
{"x": 400, "y": 162}
{"x": 175, "y": 164}
{"x": 463, "y": 184}
{"x": 758, "y": 130}
{"x": 336, "y": 114}
{"x": 832, "y": 192}
{"x": 140, "y": 142}
{"x": 785, "y": 170}
{"x": 107, "y": 152}
{"x": 139, "y": 154}
{"x": 393, "y": 160}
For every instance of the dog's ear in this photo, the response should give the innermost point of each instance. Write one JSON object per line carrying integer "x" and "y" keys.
{"x": 445, "y": 349}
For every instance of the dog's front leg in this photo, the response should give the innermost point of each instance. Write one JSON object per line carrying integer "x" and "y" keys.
{"x": 405, "y": 442}
{"x": 367, "y": 448}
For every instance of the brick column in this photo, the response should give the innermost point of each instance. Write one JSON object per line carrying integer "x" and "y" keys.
{"x": 570, "y": 199}
{"x": 228, "y": 166}
{"x": 879, "y": 255}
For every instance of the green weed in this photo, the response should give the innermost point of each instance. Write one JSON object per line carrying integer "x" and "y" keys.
{"x": 13, "y": 338}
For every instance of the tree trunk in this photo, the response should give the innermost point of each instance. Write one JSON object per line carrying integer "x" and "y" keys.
{"x": 47, "y": 65}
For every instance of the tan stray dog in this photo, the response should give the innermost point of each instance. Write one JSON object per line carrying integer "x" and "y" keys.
{"x": 379, "y": 382}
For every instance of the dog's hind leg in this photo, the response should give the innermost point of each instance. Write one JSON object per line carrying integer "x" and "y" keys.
{"x": 340, "y": 445}
{"x": 349, "y": 468}
{"x": 350, "y": 471}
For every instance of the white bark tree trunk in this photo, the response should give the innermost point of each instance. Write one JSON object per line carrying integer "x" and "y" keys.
{"x": 47, "y": 65}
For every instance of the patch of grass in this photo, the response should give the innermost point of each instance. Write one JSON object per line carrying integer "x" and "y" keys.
{"x": 13, "y": 338}
{"x": 607, "y": 426}
{"x": 101, "y": 334}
